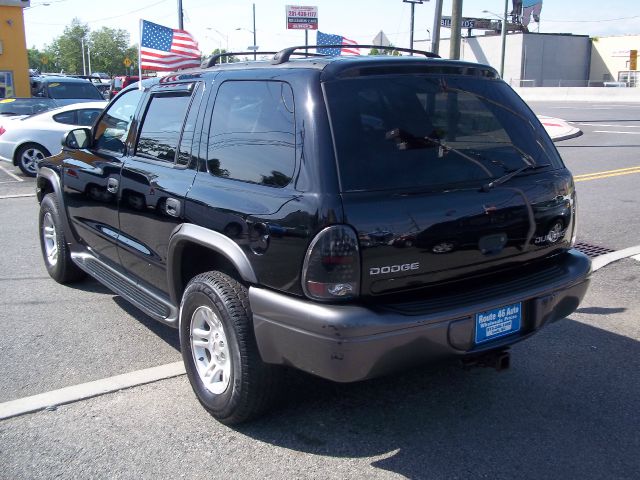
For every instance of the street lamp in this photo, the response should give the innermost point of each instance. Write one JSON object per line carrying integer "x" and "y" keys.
{"x": 503, "y": 34}
{"x": 222, "y": 36}
{"x": 44, "y": 4}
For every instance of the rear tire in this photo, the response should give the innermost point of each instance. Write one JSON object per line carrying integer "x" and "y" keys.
{"x": 220, "y": 352}
{"x": 55, "y": 251}
{"x": 28, "y": 156}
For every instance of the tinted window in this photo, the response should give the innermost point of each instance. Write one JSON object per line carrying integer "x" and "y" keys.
{"x": 186, "y": 141}
{"x": 252, "y": 135}
{"x": 161, "y": 127}
{"x": 84, "y": 90}
{"x": 87, "y": 116}
{"x": 417, "y": 130}
{"x": 66, "y": 117}
{"x": 111, "y": 131}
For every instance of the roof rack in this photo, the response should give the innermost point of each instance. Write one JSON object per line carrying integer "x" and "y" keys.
{"x": 214, "y": 59}
{"x": 283, "y": 55}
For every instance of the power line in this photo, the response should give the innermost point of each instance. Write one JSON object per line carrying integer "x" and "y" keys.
{"x": 592, "y": 21}
{"x": 103, "y": 19}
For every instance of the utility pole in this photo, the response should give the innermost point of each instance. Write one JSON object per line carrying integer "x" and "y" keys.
{"x": 413, "y": 6}
{"x": 255, "y": 45}
{"x": 180, "y": 16}
{"x": 84, "y": 65}
{"x": 456, "y": 29}
{"x": 503, "y": 34}
{"x": 437, "y": 20}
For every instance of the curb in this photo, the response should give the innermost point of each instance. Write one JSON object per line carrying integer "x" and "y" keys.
{"x": 559, "y": 129}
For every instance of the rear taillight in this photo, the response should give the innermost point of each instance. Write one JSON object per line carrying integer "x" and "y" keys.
{"x": 2, "y": 130}
{"x": 331, "y": 269}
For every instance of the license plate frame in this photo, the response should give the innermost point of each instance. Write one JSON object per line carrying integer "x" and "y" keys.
{"x": 498, "y": 322}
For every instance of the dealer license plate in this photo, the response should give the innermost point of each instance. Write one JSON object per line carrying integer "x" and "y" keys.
{"x": 498, "y": 322}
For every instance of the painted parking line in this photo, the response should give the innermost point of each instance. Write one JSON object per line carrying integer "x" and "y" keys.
{"x": 11, "y": 174}
{"x": 18, "y": 195}
{"x": 616, "y": 131}
{"x": 608, "y": 125}
{"x": 603, "y": 260}
{"x": 606, "y": 174}
{"x": 83, "y": 391}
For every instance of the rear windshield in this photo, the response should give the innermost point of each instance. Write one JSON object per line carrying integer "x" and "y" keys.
{"x": 25, "y": 106}
{"x": 413, "y": 131}
{"x": 67, "y": 90}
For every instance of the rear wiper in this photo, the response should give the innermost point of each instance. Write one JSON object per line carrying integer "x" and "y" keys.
{"x": 407, "y": 141}
{"x": 505, "y": 178}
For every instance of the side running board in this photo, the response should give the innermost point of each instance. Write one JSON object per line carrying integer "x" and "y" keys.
{"x": 152, "y": 304}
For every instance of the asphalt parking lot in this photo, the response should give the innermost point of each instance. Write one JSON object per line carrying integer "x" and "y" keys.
{"x": 567, "y": 408}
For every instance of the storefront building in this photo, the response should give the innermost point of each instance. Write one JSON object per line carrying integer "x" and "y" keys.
{"x": 14, "y": 63}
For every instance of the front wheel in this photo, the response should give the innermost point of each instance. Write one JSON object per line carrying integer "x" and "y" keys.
{"x": 220, "y": 353}
{"x": 29, "y": 156}
{"x": 55, "y": 251}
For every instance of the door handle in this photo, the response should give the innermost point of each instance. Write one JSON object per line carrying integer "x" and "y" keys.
{"x": 172, "y": 207}
{"x": 112, "y": 185}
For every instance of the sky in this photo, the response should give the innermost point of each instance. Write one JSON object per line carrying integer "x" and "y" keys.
{"x": 228, "y": 24}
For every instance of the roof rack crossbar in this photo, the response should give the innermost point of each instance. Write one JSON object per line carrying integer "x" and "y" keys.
{"x": 284, "y": 55}
{"x": 214, "y": 59}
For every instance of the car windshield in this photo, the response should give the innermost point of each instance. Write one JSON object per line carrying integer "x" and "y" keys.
{"x": 66, "y": 90}
{"x": 415, "y": 131}
{"x": 25, "y": 106}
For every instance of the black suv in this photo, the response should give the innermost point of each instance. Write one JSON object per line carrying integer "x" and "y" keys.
{"x": 346, "y": 216}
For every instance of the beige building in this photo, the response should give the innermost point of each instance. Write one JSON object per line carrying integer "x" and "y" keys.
{"x": 612, "y": 55}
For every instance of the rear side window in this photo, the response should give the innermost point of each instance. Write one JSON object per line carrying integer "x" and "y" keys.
{"x": 161, "y": 126}
{"x": 412, "y": 131}
{"x": 68, "y": 118}
{"x": 252, "y": 134}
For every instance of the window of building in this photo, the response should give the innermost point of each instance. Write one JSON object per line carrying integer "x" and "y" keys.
{"x": 252, "y": 135}
{"x": 6, "y": 84}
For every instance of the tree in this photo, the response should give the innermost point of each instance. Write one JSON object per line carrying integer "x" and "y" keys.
{"x": 229, "y": 59}
{"x": 67, "y": 48}
{"x": 109, "y": 48}
{"x": 385, "y": 51}
{"x": 37, "y": 59}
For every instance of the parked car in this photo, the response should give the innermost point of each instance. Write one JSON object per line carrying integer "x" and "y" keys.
{"x": 64, "y": 90}
{"x": 25, "y": 106}
{"x": 346, "y": 216}
{"x": 123, "y": 81}
{"x": 24, "y": 141}
{"x": 100, "y": 77}
{"x": 104, "y": 88}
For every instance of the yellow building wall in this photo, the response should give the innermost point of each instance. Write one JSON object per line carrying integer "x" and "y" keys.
{"x": 14, "y": 56}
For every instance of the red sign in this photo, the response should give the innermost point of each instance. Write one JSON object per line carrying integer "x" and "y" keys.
{"x": 302, "y": 18}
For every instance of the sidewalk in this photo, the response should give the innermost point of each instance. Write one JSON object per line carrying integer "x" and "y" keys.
{"x": 559, "y": 129}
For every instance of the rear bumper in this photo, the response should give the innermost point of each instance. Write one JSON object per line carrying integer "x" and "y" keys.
{"x": 347, "y": 343}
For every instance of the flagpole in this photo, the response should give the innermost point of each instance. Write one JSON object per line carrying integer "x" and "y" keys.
{"x": 140, "y": 58}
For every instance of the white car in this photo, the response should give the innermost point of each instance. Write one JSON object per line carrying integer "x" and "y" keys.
{"x": 24, "y": 141}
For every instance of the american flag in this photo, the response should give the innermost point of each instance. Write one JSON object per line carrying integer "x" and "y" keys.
{"x": 330, "y": 39}
{"x": 167, "y": 49}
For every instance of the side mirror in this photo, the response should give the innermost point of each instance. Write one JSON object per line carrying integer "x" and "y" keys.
{"x": 77, "y": 139}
